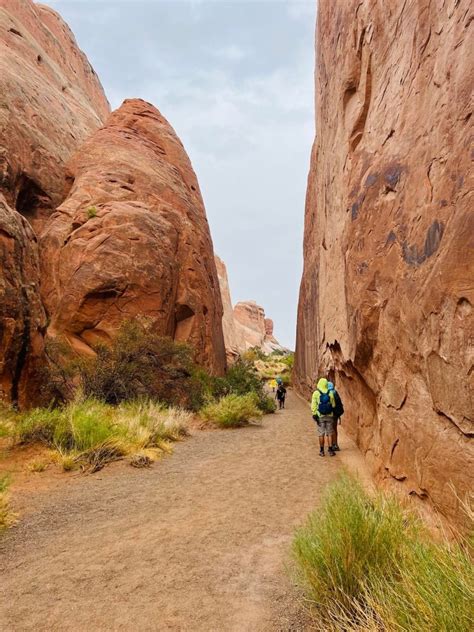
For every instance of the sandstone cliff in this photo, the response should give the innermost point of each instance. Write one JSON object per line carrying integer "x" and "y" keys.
{"x": 132, "y": 239}
{"x": 50, "y": 101}
{"x": 244, "y": 325}
{"x": 386, "y": 298}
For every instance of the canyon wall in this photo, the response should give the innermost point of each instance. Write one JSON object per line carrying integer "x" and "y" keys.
{"x": 50, "y": 101}
{"x": 244, "y": 325}
{"x": 132, "y": 239}
{"x": 387, "y": 294}
{"x": 95, "y": 226}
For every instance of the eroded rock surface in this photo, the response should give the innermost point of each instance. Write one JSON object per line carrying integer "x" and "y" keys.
{"x": 50, "y": 101}
{"x": 22, "y": 317}
{"x": 387, "y": 291}
{"x": 132, "y": 239}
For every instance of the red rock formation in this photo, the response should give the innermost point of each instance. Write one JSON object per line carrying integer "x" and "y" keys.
{"x": 253, "y": 329}
{"x": 234, "y": 343}
{"x": 132, "y": 239}
{"x": 387, "y": 291}
{"x": 22, "y": 317}
{"x": 50, "y": 101}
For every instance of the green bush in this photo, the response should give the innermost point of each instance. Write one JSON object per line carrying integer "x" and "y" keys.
{"x": 139, "y": 363}
{"x": 233, "y": 411}
{"x": 365, "y": 564}
{"x": 267, "y": 405}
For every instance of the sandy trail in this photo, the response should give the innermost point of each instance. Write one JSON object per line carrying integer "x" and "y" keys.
{"x": 198, "y": 542}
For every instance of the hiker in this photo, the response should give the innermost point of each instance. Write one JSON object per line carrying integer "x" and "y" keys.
{"x": 338, "y": 412}
{"x": 281, "y": 395}
{"x": 279, "y": 380}
{"x": 273, "y": 385}
{"x": 323, "y": 404}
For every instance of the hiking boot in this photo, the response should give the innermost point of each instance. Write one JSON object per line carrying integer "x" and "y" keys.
{"x": 331, "y": 452}
{"x": 321, "y": 453}
{"x": 336, "y": 448}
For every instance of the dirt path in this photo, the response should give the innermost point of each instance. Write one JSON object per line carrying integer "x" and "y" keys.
{"x": 199, "y": 542}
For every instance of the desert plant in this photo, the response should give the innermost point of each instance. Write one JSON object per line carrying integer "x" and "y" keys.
{"x": 138, "y": 363}
{"x": 91, "y": 212}
{"x": 267, "y": 405}
{"x": 7, "y": 518}
{"x": 90, "y": 433}
{"x": 233, "y": 411}
{"x": 366, "y": 564}
{"x": 37, "y": 465}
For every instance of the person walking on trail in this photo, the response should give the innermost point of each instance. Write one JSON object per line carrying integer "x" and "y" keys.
{"x": 281, "y": 395}
{"x": 279, "y": 380}
{"x": 338, "y": 412}
{"x": 273, "y": 385}
{"x": 323, "y": 404}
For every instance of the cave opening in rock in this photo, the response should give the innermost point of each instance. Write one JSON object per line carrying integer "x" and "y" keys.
{"x": 31, "y": 201}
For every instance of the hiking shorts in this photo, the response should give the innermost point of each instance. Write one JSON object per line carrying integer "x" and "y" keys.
{"x": 325, "y": 425}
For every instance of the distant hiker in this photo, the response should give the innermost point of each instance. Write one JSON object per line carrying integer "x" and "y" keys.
{"x": 338, "y": 412}
{"x": 281, "y": 395}
{"x": 279, "y": 380}
{"x": 323, "y": 404}
{"x": 273, "y": 384}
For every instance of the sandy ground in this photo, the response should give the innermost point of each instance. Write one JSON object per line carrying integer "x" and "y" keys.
{"x": 199, "y": 542}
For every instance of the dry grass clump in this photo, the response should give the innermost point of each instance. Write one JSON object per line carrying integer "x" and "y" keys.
{"x": 88, "y": 433}
{"x": 37, "y": 465}
{"x": 7, "y": 518}
{"x": 233, "y": 411}
{"x": 366, "y": 564}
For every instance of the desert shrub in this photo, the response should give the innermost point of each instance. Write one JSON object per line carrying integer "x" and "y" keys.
{"x": 92, "y": 433}
{"x": 233, "y": 411}
{"x": 138, "y": 363}
{"x": 366, "y": 564}
{"x": 267, "y": 405}
{"x": 91, "y": 212}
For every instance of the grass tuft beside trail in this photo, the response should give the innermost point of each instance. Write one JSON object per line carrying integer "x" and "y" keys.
{"x": 366, "y": 564}
{"x": 233, "y": 411}
{"x": 91, "y": 433}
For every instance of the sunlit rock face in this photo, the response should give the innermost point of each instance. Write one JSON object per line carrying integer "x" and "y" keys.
{"x": 132, "y": 239}
{"x": 386, "y": 299}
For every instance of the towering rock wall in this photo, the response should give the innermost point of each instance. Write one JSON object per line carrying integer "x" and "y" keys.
{"x": 132, "y": 239}
{"x": 386, "y": 299}
{"x": 50, "y": 101}
{"x": 93, "y": 230}
{"x": 233, "y": 340}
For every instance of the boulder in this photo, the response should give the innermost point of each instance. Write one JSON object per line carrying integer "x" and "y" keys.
{"x": 132, "y": 239}
{"x": 387, "y": 294}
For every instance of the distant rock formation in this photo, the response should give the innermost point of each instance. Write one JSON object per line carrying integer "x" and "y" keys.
{"x": 132, "y": 239}
{"x": 245, "y": 325}
{"x": 117, "y": 212}
{"x": 387, "y": 295}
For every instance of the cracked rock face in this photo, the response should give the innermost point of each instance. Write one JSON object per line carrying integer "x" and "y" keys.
{"x": 386, "y": 299}
{"x": 132, "y": 239}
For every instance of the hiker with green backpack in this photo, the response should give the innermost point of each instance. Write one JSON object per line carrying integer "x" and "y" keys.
{"x": 323, "y": 404}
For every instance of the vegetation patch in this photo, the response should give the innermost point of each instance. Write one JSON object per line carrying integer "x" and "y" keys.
{"x": 366, "y": 564}
{"x": 233, "y": 411}
{"x": 90, "y": 433}
{"x": 7, "y": 518}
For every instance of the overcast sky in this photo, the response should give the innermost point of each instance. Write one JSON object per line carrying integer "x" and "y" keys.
{"x": 235, "y": 80}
